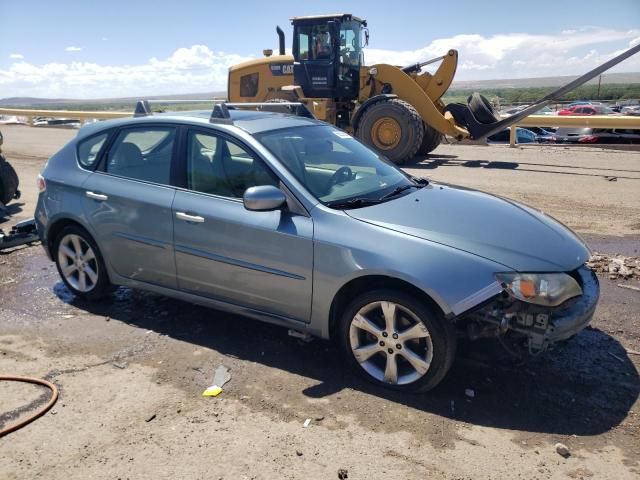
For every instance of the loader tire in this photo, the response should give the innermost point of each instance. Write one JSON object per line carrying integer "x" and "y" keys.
{"x": 8, "y": 181}
{"x": 392, "y": 127}
{"x": 481, "y": 108}
{"x": 431, "y": 140}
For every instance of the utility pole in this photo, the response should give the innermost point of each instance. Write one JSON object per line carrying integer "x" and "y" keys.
{"x": 599, "y": 81}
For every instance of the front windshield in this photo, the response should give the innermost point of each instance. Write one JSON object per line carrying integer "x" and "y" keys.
{"x": 332, "y": 165}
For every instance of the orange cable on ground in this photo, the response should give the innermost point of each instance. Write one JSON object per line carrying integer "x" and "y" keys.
{"x": 39, "y": 413}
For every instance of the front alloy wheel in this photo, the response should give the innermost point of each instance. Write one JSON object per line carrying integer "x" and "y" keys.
{"x": 391, "y": 343}
{"x": 397, "y": 341}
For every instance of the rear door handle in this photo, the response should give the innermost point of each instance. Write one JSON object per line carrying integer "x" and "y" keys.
{"x": 97, "y": 196}
{"x": 189, "y": 218}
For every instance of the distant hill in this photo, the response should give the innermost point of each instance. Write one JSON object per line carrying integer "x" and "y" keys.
{"x": 607, "y": 79}
{"x": 69, "y": 102}
{"x": 478, "y": 85}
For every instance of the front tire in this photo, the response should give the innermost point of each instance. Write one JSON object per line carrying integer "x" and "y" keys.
{"x": 394, "y": 128}
{"x": 397, "y": 341}
{"x": 432, "y": 138}
{"x": 80, "y": 263}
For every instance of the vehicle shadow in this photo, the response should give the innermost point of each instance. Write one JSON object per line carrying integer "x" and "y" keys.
{"x": 586, "y": 386}
{"x": 9, "y": 210}
{"x": 525, "y": 167}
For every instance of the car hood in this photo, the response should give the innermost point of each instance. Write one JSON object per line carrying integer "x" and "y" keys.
{"x": 500, "y": 230}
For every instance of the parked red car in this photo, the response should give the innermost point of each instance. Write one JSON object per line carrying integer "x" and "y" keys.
{"x": 581, "y": 110}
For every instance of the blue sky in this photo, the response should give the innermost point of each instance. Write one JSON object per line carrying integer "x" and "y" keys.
{"x": 119, "y": 48}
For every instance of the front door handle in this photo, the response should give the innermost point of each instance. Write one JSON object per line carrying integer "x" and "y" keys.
{"x": 189, "y": 218}
{"x": 97, "y": 196}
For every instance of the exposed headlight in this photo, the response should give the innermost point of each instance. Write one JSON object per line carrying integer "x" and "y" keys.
{"x": 548, "y": 289}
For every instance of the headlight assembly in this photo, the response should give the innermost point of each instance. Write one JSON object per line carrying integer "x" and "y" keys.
{"x": 547, "y": 289}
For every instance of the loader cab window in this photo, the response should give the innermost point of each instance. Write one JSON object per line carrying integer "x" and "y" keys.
{"x": 249, "y": 85}
{"x": 314, "y": 42}
{"x": 350, "y": 44}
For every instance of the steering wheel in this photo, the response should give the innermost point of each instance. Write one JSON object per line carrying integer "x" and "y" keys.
{"x": 343, "y": 174}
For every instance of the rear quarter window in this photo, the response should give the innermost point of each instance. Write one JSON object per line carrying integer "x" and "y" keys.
{"x": 89, "y": 150}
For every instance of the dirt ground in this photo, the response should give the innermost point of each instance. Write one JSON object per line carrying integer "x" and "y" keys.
{"x": 131, "y": 370}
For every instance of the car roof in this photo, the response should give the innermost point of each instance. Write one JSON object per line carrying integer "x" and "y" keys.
{"x": 251, "y": 121}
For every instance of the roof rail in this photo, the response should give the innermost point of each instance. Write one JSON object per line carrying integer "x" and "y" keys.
{"x": 220, "y": 112}
{"x": 143, "y": 109}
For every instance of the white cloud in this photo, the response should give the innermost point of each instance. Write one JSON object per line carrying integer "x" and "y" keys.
{"x": 104, "y": 39}
{"x": 16, "y": 56}
{"x": 73, "y": 49}
{"x": 200, "y": 69}
{"x": 521, "y": 55}
{"x": 187, "y": 70}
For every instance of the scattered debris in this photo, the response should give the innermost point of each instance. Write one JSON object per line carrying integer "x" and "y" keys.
{"x": 220, "y": 377}
{"x": 306, "y": 423}
{"x": 305, "y": 337}
{"x": 616, "y": 357}
{"x": 617, "y": 266}
{"x": 343, "y": 473}
{"x": 68, "y": 316}
{"x": 299, "y": 453}
{"x": 563, "y": 450}
{"x": 152, "y": 417}
{"x": 470, "y": 393}
{"x": 121, "y": 366}
{"x": 632, "y": 352}
{"x": 630, "y": 287}
{"x": 319, "y": 418}
{"x": 611, "y": 179}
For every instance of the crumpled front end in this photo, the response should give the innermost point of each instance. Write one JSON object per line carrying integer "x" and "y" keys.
{"x": 537, "y": 326}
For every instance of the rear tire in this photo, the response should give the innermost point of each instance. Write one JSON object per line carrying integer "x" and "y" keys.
{"x": 412, "y": 352}
{"x": 80, "y": 263}
{"x": 392, "y": 127}
{"x": 431, "y": 140}
{"x": 8, "y": 181}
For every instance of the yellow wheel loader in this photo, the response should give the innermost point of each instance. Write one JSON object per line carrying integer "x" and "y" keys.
{"x": 396, "y": 110}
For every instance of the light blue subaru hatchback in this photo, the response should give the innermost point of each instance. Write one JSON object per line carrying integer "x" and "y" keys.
{"x": 280, "y": 217}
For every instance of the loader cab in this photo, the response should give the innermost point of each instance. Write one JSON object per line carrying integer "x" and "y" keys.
{"x": 327, "y": 52}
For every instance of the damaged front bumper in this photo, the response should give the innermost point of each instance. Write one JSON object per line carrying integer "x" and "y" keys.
{"x": 539, "y": 326}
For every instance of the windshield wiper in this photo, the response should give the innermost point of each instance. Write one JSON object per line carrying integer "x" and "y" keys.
{"x": 399, "y": 190}
{"x": 353, "y": 202}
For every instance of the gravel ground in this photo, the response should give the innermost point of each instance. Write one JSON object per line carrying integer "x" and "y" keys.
{"x": 131, "y": 370}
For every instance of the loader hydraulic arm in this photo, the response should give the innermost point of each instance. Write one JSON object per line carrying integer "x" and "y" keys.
{"x": 423, "y": 92}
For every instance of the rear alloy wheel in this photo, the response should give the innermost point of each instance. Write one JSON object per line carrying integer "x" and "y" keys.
{"x": 80, "y": 264}
{"x": 397, "y": 341}
{"x": 393, "y": 127}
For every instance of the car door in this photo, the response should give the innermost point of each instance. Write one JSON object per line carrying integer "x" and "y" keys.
{"x": 261, "y": 260}
{"x": 128, "y": 204}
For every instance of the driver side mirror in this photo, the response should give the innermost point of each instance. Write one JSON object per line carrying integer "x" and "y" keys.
{"x": 264, "y": 198}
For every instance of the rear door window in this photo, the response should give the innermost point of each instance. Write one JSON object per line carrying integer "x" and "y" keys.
{"x": 143, "y": 154}
{"x": 89, "y": 150}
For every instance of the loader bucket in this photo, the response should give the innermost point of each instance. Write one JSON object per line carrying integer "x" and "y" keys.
{"x": 481, "y": 123}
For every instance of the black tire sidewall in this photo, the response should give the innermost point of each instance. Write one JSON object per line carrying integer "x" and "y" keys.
{"x": 8, "y": 181}
{"x": 411, "y": 125}
{"x": 103, "y": 285}
{"x": 440, "y": 330}
{"x": 481, "y": 109}
{"x": 431, "y": 141}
